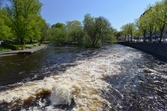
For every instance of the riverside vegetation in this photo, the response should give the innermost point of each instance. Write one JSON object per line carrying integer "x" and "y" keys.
{"x": 21, "y": 23}
{"x": 153, "y": 20}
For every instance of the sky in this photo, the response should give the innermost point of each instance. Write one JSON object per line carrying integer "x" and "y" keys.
{"x": 118, "y": 12}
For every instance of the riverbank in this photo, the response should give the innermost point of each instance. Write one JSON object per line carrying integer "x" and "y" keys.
{"x": 156, "y": 49}
{"x": 26, "y": 51}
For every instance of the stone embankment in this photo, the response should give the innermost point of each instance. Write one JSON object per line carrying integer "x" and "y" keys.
{"x": 157, "y": 49}
{"x": 26, "y": 51}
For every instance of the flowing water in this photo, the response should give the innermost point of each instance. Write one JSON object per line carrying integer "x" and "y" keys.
{"x": 112, "y": 78}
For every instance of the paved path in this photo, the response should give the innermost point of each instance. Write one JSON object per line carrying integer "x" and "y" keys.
{"x": 26, "y": 51}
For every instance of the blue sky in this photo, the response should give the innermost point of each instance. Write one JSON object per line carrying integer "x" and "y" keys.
{"x": 118, "y": 12}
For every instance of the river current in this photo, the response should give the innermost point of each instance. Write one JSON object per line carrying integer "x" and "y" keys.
{"x": 112, "y": 78}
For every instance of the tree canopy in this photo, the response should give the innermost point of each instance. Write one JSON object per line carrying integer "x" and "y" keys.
{"x": 59, "y": 33}
{"x": 75, "y": 31}
{"x": 96, "y": 29}
{"x": 128, "y": 29}
{"x": 5, "y": 31}
{"x": 21, "y": 21}
{"x": 23, "y": 17}
{"x": 153, "y": 21}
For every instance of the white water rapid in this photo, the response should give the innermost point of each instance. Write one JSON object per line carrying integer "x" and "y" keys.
{"x": 83, "y": 84}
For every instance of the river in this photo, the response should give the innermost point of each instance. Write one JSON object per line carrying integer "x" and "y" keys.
{"x": 111, "y": 78}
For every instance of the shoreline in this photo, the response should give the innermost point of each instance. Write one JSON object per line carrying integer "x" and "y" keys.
{"x": 26, "y": 51}
{"x": 155, "y": 49}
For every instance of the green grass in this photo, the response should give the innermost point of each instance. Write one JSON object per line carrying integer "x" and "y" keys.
{"x": 4, "y": 49}
{"x": 30, "y": 46}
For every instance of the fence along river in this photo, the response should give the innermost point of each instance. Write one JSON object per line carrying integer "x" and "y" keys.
{"x": 111, "y": 78}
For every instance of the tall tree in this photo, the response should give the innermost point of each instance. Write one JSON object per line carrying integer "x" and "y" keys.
{"x": 137, "y": 33}
{"x": 5, "y": 31}
{"x": 159, "y": 14}
{"x": 124, "y": 32}
{"x": 151, "y": 22}
{"x": 23, "y": 16}
{"x": 59, "y": 33}
{"x": 44, "y": 31}
{"x": 131, "y": 29}
{"x": 146, "y": 23}
{"x": 75, "y": 31}
{"x": 141, "y": 24}
{"x": 96, "y": 29}
{"x": 110, "y": 36}
{"x": 128, "y": 29}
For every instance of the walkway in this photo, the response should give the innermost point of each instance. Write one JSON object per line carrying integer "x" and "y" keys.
{"x": 26, "y": 51}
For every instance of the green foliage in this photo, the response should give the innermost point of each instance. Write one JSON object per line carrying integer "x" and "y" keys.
{"x": 4, "y": 49}
{"x": 112, "y": 35}
{"x": 10, "y": 45}
{"x": 96, "y": 29}
{"x": 45, "y": 33}
{"x": 160, "y": 16}
{"x": 59, "y": 33}
{"x": 137, "y": 33}
{"x": 128, "y": 29}
{"x": 59, "y": 25}
{"x": 23, "y": 16}
{"x": 5, "y": 31}
{"x": 75, "y": 32}
{"x": 99, "y": 43}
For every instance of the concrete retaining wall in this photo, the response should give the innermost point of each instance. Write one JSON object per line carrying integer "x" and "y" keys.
{"x": 156, "y": 49}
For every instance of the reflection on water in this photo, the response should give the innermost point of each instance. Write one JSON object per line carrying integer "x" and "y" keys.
{"x": 21, "y": 68}
{"x": 114, "y": 78}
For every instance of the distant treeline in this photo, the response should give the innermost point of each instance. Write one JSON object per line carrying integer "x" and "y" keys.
{"x": 22, "y": 22}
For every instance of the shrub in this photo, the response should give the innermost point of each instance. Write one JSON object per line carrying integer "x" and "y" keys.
{"x": 88, "y": 44}
{"x": 29, "y": 47}
{"x": 99, "y": 44}
{"x": 10, "y": 45}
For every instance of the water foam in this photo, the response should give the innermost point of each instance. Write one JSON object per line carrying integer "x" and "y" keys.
{"x": 82, "y": 83}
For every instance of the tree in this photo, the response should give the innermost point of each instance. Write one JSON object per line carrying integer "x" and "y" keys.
{"x": 75, "y": 31}
{"x": 5, "y": 31}
{"x": 151, "y": 21}
{"x": 124, "y": 32}
{"x": 44, "y": 31}
{"x": 162, "y": 8}
{"x": 128, "y": 29}
{"x": 110, "y": 36}
{"x": 137, "y": 33}
{"x": 131, "y": 29}
{"x": 59, "y": 33}
{"x": 96, "y": 29}
{"x": 159, "y": 14}
{"x": 142, "y": 26}
{"x": 146, "y": 23}
{"x": 23, "y": 16}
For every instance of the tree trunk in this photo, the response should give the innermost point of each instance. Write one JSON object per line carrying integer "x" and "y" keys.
{"x": 30, "y": 40}
{"x": 144, "y": 35}
{"x": 22, "y": 43}
{"x": 161, "y": 33}
{"x": 125, "y": 38}
{"x": 131, "y": 38}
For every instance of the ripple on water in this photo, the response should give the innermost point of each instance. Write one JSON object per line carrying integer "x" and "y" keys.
{"x": 113, "y": 79}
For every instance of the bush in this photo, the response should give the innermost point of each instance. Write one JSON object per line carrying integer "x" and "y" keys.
{"x": 99, "y": 44}
{"x": 4, "y": 49}
{"x": 88, "y": 44}
{"x": 35, "y": 45}
{"x": 10, "y": 45}
{"x": 29, "y": 47}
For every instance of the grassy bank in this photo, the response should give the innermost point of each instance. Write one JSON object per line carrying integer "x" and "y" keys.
{"x": 4, "y": 49}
